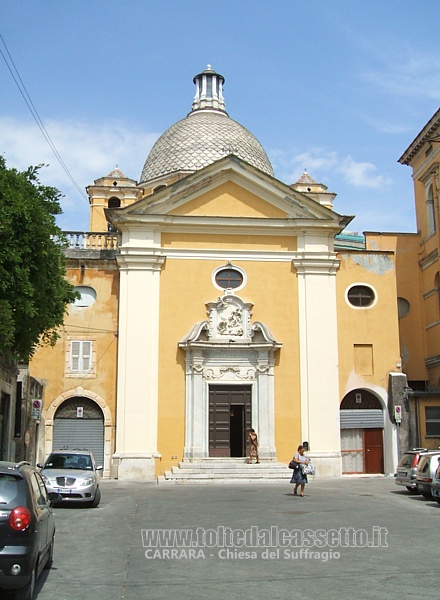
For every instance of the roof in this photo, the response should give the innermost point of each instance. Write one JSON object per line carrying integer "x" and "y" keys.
{"x": 204, "y": 136}
{"x": 422, "y": 137}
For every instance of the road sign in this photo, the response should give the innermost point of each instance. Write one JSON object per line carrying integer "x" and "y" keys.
{"x": 36, "y": 409}
{"x": 398, "y": 413}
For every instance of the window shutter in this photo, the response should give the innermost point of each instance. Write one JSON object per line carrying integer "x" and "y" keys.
{"x": 86, "y": 356}
{"x": 74, "y": 356}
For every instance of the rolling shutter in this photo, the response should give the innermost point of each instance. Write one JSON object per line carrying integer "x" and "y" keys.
{"x": 69, "y": 434}
{"x": 362, "y": 419}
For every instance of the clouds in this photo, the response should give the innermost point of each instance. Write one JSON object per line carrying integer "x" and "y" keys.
{"x": 412, "y": 75}
{"x": 329, "y": 165}
{"x": 89, "y": 150}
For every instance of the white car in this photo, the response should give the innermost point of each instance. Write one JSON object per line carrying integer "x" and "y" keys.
{"x": 74, "y": 475}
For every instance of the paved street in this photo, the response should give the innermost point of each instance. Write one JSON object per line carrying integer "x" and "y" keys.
{"x": 100, "y": 552}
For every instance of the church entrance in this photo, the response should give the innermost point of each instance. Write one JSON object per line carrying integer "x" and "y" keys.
{"x": 229, "y": 420}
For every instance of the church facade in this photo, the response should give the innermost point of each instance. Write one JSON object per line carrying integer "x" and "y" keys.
{"x": 214, "y": 299}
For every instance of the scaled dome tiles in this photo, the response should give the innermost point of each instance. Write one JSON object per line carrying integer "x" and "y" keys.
{"x": 200, "y": 139}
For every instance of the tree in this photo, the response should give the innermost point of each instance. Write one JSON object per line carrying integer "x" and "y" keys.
{"x": 34, "y": 293}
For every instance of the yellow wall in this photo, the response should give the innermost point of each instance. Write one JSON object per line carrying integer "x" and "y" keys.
{"x": 97, "y": 323}
{"x": 235, "y": 242}
{"x": 185, "y": 288}
{"x": 406, "y": 247}
{"x": 367, "y": 336}
{"x": 427, "y": 442}
{"x": 227, "y": 200}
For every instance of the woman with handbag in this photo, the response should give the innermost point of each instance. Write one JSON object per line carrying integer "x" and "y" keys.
{"x": 298, "y": 477}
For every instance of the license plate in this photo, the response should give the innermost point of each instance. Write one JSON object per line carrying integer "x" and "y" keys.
{"x": 403, "y": 473}
{"x": 63, "y": 491}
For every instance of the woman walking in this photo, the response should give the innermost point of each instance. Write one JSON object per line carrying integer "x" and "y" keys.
{"x": 298, "y": 477}
{"x": 253, "y": 446}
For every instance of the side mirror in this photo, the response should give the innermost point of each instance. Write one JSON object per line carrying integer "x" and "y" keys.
{"x": 39, "y": 465}
{"x": 99, "y": 468}
{"x": 55, "y": 498}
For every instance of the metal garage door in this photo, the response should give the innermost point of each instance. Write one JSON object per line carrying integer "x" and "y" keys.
{"x": 80, "y": 433}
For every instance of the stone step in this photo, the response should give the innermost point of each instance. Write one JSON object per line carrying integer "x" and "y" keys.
{"x": 161, "y": 480}
{"x": 229, "y": 465}
{"x": 226, "y": 471}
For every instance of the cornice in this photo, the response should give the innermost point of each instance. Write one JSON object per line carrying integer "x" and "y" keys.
{"x": 431, "y": 126}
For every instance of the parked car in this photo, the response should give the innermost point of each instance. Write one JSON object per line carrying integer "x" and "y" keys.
{"x": 74, "y": 475}
{"x": 427, "y": 467}
{"x": 435, "y": 485}
{"x": 406, "y": 471}
{"x": 27, "y": 528}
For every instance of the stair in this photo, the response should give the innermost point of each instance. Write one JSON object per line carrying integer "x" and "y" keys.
{"x": 226, "y": 470}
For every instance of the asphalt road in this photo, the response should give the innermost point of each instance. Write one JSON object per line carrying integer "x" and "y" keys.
{"x": 360, "y": 538}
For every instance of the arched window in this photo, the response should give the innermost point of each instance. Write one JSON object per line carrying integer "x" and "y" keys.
{"x": 437, "y": 288}
{"x": 114, "y": 202}
{"x": 430, "y": 213}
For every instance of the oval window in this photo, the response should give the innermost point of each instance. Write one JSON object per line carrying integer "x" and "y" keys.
{"x": 402, "y": 307}
{"x": 229, "y": 277}
{"x": 361, "y": 296}
{"x": 88, "y": 296}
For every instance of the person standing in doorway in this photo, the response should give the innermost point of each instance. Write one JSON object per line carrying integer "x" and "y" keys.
{"x": 298, "y": 477}
{"x": 253, "y": 447}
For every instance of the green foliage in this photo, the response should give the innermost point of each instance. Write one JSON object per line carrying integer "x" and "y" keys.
{"x": 34, "y": 293}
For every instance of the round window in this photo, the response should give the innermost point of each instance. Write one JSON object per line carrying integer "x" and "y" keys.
{"x": 229, "y": 278}
{"x": 361, "y": 296}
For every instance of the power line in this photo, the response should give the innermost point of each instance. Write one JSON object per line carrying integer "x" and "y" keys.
{"x": 24, "y": 93}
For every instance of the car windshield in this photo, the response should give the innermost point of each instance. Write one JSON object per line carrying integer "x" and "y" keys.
{"x": 69, "y": 461}
{"x": 8, "y": 489}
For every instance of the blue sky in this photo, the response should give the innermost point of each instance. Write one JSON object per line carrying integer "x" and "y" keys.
{"x": 338, "y": 87}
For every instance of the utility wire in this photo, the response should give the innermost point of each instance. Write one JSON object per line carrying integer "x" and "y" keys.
{"x": 23, "y": 91}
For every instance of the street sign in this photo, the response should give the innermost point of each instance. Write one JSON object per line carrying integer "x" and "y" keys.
{"x": 36, "y": 409}
{"x": 398, "y": 413}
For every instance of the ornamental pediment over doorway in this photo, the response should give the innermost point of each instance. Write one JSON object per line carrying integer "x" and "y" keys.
{"x": 229, "y": 322}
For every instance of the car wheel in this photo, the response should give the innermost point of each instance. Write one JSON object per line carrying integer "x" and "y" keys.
{"x": 27, "y": 592}
{"x": 49, "y": 562}
{"x": 426, "y": 495}
{"x": 96, "y": 500}
{"x": 412, "y": 490}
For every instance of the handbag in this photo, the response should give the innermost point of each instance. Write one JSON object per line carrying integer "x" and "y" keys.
{"x": 292, "y": 464}
{"x": 309, "y": 469}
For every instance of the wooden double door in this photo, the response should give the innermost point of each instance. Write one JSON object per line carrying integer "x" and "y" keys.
{"x": 229, "y": 420}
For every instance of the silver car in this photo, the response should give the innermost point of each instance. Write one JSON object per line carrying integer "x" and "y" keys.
{"x": 74, "y": 475}
{"x": 435, "y": 485}
{"x": 406, "y": 471}
{"x": 427, "y": 467}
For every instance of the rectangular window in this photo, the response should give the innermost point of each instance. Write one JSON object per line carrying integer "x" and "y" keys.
{"x": 80, "y": 356}
{"x": 432, "y": 416}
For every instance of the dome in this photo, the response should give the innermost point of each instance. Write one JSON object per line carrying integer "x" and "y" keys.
{"x": 204, "y": 136}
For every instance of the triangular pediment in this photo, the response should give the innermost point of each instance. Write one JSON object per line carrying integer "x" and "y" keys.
{"x": 228, "y": 188}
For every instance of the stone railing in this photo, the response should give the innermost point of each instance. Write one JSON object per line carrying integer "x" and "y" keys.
{"x": 91, "y": 240}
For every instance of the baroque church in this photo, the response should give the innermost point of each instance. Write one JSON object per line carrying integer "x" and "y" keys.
{"x": 216, "y": 298}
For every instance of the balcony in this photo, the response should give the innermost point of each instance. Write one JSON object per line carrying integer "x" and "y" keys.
{"x": 91, "y": 244}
